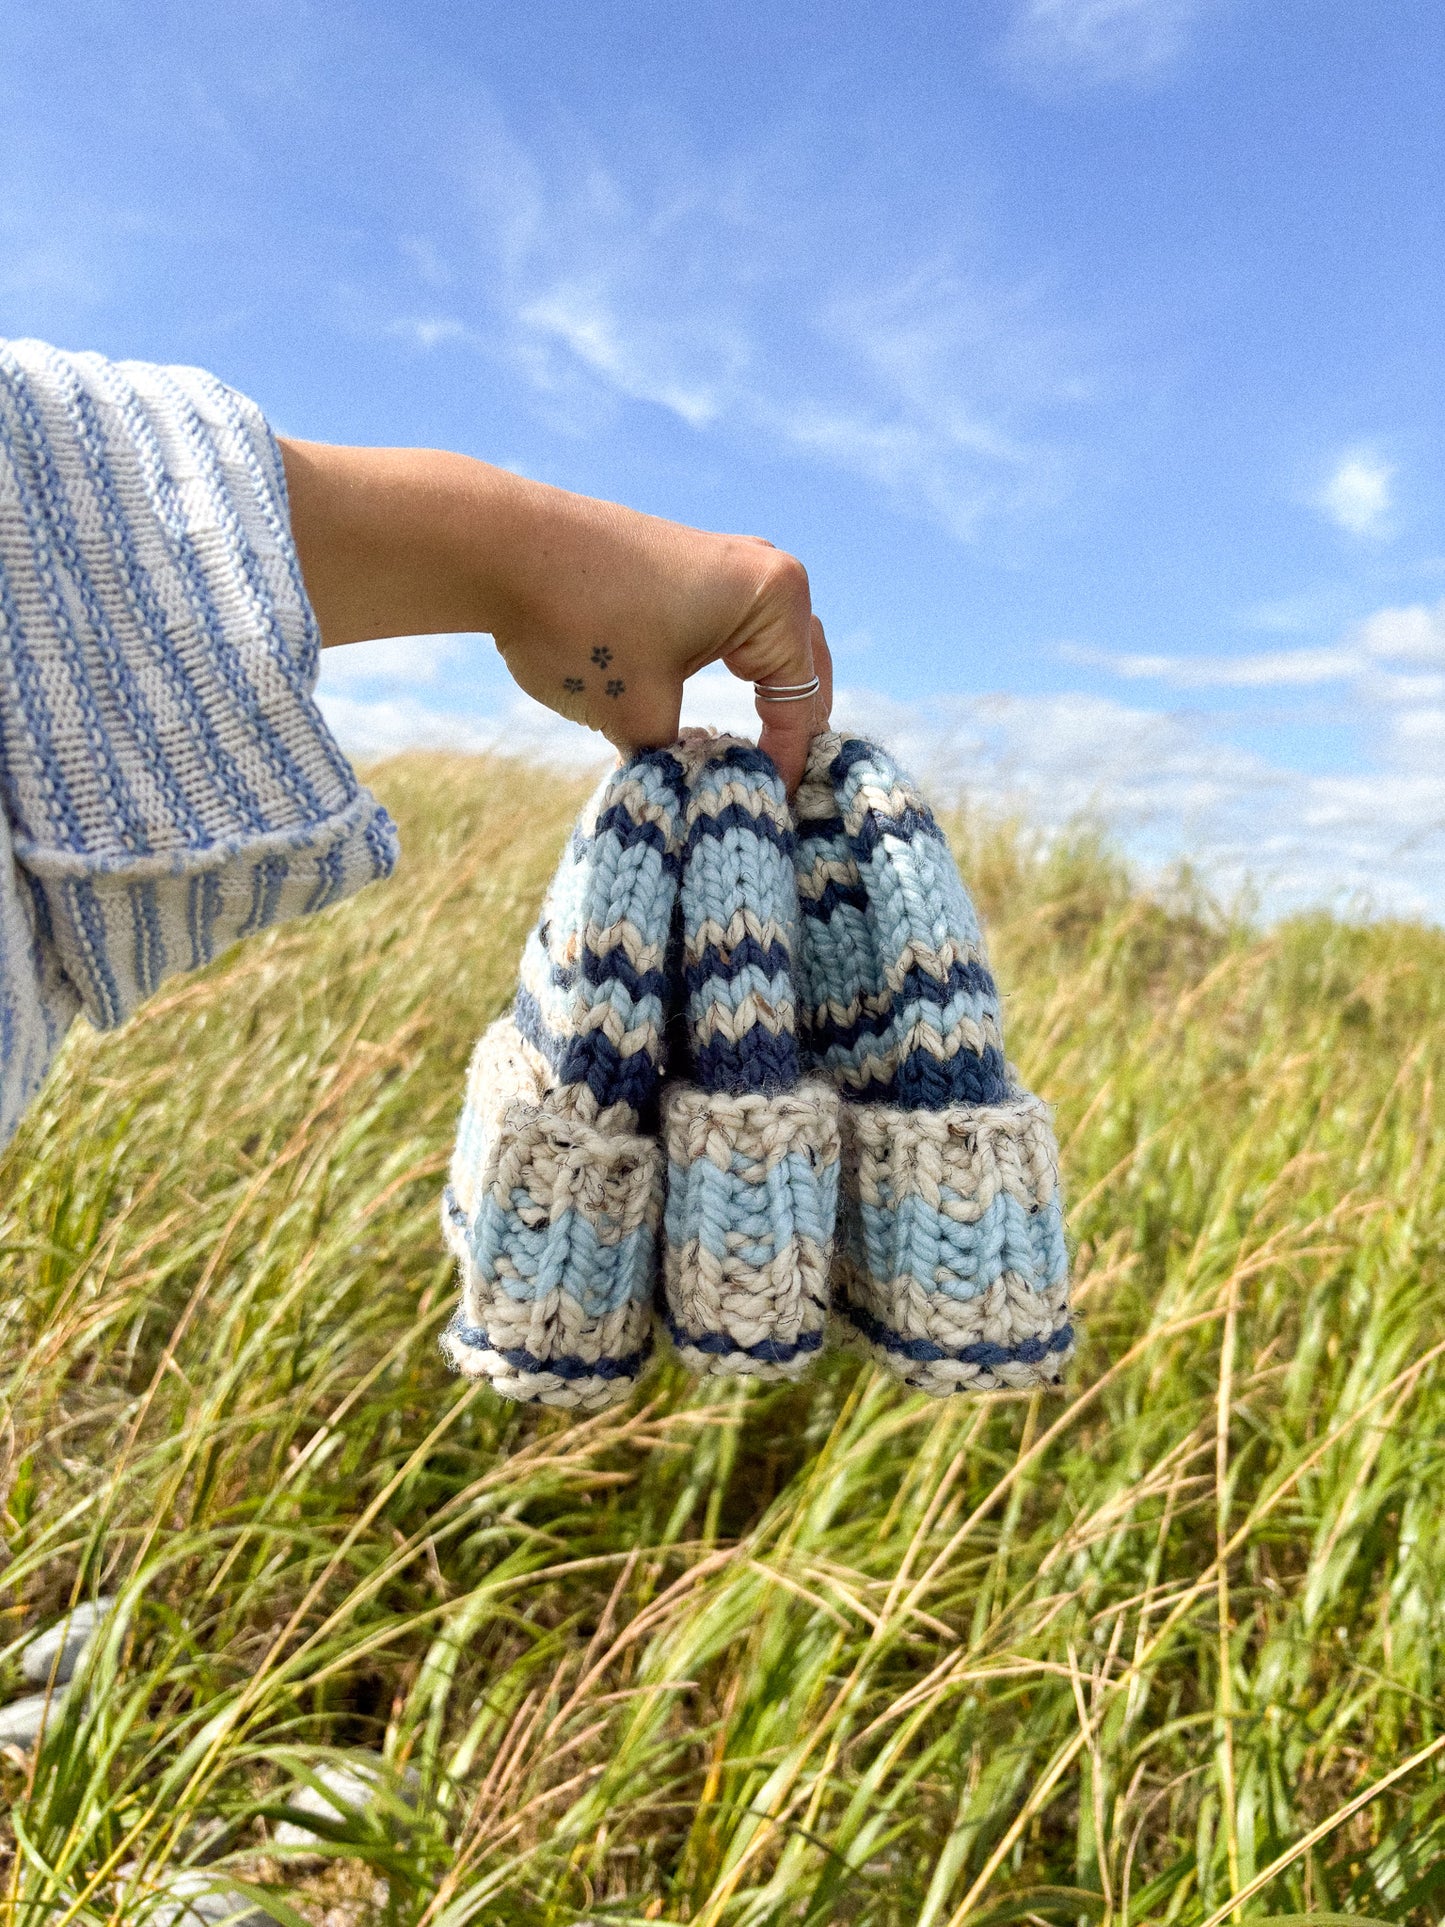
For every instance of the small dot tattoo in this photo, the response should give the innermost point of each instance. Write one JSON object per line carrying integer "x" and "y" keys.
{"x": 616, "y": 686}
{"x": 601, "y": 655}
{"x": 574, "y": 685}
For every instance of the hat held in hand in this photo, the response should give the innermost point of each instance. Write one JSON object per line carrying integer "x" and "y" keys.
{"x": 557, "y": 1177}
{"x": 951, "y": 1268}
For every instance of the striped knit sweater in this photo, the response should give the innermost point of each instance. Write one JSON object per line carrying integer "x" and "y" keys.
{"x": 167, "y": 784}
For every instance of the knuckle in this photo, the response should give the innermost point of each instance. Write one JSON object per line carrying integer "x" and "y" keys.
{"x": 789, "y": 574}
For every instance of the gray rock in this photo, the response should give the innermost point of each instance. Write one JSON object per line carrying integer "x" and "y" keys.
{"x": 69, "y": 1637}
{"x": 190, "y": 1898}
{"x": 21, "y": 1720}
{"x": 350, "y": 1787}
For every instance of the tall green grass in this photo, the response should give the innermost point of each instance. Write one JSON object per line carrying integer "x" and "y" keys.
{"x": 736, "y": 1655}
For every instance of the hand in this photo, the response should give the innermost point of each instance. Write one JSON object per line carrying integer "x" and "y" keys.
{"x": 599, "y": 612}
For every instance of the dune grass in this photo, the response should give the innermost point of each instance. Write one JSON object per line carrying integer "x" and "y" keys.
{"x": 735, "y": 1655}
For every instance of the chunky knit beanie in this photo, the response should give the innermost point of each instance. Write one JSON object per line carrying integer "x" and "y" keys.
{"x": 671, "y": 940}
{"x": 557, "y": 1177}
{"x": 951, "y": 1268}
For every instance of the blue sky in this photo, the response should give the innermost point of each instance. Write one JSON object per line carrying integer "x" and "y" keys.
{"x": 1087, "y": 351}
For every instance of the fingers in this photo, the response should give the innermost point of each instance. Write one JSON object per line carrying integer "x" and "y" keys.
{"x": 790, "y": 724}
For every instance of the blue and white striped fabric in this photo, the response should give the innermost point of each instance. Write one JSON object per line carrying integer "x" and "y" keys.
{"x": 167, "y": 783}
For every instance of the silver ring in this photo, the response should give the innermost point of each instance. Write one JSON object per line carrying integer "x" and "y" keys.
{"x": 788, "y": 692}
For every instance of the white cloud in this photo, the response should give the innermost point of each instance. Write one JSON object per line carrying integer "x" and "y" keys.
{"x": 1168, "y": 785}
{"x": 1260, "y": 669}
{"x": 944, "y": 385}
{"x": 1358, "y": 495}
{"x": 1415, "y": 634}
{"x": 1098, "y": 41}
{"x": 404, "y": 659}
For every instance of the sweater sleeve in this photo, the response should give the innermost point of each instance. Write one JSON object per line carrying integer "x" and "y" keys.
{"x": 167, "y": 782}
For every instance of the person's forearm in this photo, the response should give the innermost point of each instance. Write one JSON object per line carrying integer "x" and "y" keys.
{"x": 599, "y": 611}
{"x": 398, "y": 541}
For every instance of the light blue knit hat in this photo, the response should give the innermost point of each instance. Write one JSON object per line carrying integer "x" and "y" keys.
{"x": 556, "y": 1185}
{"x": 951, "y": 1267}
{"x": 752, "y": 1146}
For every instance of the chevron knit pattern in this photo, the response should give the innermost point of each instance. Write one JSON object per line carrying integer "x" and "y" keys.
{"x": 951, "y": 1268}
{"x": 556, "y": 1180}
{"x": 752, "y": 1148}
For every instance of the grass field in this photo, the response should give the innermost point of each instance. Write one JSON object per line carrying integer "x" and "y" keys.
{"x": 818, "y": 1654}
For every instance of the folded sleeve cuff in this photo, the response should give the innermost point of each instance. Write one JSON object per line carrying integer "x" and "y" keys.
{"x": 169, "y": 782}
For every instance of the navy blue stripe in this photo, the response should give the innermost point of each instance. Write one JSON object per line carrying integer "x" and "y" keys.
{"x": 768, "y": 1351}
{"x": 618, "y": 821}
{"x": 918, "y": 987}
{"x": 911, "y": 821}
{"x": 821, "y": 829}
{"x": 851, "y": 896}
{"x": 737, "y": 816}
{"x": 909, "y": 824}
{"x": 922, "y": 1083}
{"x": 590, "y": 1058}
{"x": 747, "y": 758}
{"x": 615, "y": 967}
{"x": 856, "y": 750}
{"x": 594, "y": 1060}
{"x": 760, "y": 1061}
{"x": 212, "y": 904}
{"x": 475, "y": 1338}
{"x": 715, "y": 965}
{"x": 923, "y": 1351}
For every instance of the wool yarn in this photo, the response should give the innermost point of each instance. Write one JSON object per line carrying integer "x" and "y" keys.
{"x": 951, "y": 1268}
{"x": 813, "y": 982}
{"x": 556, "y": 1184}
{"x": 752, "y": 1146}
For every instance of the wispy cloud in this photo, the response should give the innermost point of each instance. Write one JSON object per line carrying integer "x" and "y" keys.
{"x": 1097, "y": 42}
{"x": 1260, "y": 669}
{"x": 1359, "y": 494}
{"x": 945, "y": 385}
{"x": 1413, "y": 634}
{"x": 1167, "y": 785}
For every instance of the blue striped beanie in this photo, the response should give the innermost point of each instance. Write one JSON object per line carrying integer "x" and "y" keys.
{"x": 814, "y": 984}
{"x": 555, "y": 1195}
{"x": 951, "y": 1268}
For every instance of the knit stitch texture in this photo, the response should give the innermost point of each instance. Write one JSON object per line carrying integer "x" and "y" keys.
{"x": 556, "y": 1193}
{"x": 167, "y": 784}
{"x": 752, "y": 1147}
{"x": 673, "y": 990}
{"x": 951, "y": 1267}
